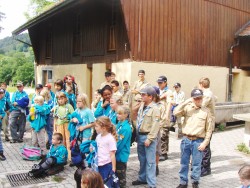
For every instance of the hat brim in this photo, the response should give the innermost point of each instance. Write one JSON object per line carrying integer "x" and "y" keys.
{"x": 197, "y": 96}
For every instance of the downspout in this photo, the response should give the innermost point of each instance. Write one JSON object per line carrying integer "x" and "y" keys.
{"x": 230, "y": 62}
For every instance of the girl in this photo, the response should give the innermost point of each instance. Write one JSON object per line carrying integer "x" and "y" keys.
{"x": 124, "y": 133}
{"x": 58, "y": 88}
{"x": 71, "y": 96}
{"x": 106, "y": 146}
{"x": 38, "y": 123}
{"x": 91, "y": 179}
{"x": 70, "y": 81}
{"x": 115, "y": 101}
{"x": 61, "y": 115}
{"x": 86, "y": 116}
{"x": 103, "y": 106}
{"x": 244, "y": 175}
{"x": 49, "y": 118}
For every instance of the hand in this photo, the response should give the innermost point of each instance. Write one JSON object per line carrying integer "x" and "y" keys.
{"x": 134, "y": 91}
{"x": 81, "y": 128}
{"x": 75, "y": 120}
{"x": 147, "y": 143}
{"x": 189, "y": 100}
{"x": 113, "y": 169}
{"x": 202, "y": 147}
{"x": 15, "y": 104}
{"x": 105, "y": 104}
{"x": 32, "y": 113}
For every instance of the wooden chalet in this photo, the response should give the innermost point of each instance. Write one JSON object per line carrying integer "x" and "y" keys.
{"x": 182, "y": 39}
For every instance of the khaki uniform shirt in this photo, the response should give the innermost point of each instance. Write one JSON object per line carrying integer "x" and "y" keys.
{"x": 104, "y": 84}
{"x": 117, "y": 93}
{"x": 150, "y": 122}
{"x": 125, "y": 96}
{"x": 163, "y": 112}
{"x": 178, "y": 97}
{"x": 167, "y": 101}
{"x": 197, "y": 121}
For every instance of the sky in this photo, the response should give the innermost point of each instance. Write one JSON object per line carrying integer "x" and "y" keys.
{"x": 14, "y": 13}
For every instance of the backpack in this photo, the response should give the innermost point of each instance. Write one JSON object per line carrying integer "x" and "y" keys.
{"x": 31, "y": 153}
{"x": 76, "y": 155}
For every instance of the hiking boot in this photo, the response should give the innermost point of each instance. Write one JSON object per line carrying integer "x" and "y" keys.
{"x": 163, "y": 157}
{"x": 55, "y": 170}
{"x": 205, "y": 173}
{"x": 7, "y": 139}
{"x": 2, "y": 157}
{"x": 35, "y": 167}
{"x": 195, "y": 184}
{"x": 20, "y": 140}
{"x": 13, "y": 141}
{"x": 157, "y": 170}
{"x": 182, "y": 186}
{"x": 137, "y": 182}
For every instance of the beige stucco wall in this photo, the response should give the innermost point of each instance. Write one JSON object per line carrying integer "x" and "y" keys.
{"x": 241, "y": 86}
{"x": 187, "y": 75}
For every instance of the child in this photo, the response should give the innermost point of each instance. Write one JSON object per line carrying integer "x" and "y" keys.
{"x": 115, "y": 101}
{"x": 91, "y": 179}
{"x": 5, "y": 121}
{"x": 2, "y": 114}
{"x": 244, "y": 175}
{"x": 86, "y": 116}
{"x": 106, "y": 146}
{"x": 71, "y": 96}
{"x": 61, "y": 115}
{"x": 59, "y": 88}
{"x": 124, "y": 133}
{"x": 56, "y": 157}
{"x": 49, "y": 117}
{"x": 38, "y": 123}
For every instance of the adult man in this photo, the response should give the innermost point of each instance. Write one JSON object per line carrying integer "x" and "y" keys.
{"x": 197, "y": 130}
{"x": 115, "y": 88}
{"x": 108, "y": 78}
{"x": 147, "y": 129}
{"x": 19, "y": 101}
{"x": 209, "y": 102}
{"x": 126, "y": 92}
{"x": 135, "y": 97}
{"x": 166, "y": 96}
{"x": 179, "y": 97}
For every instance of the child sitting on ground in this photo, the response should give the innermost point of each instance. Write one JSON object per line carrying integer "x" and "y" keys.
{"x": 244, "y": 175}
{"x": 37, "y": 121}
{"x": 55, "y": 160}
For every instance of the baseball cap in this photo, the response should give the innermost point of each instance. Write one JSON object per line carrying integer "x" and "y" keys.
{"x": 177, "y": 85}
{"x": 157, "y": 90}
{"x": 48, "y": 86}
{"x": 196, "y": 93}
{"x": 148, "y": 90}
{"x": 162, "y": 79}
{"x": 39, "y": 86}
{"x": 19, "y": 83}
{"x": 2, "y": 90}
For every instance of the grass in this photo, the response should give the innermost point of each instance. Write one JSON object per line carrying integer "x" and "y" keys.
{"x": 243, "y": 148}
{"x": 58, "y": 178}
{"x": 221, "y": 127}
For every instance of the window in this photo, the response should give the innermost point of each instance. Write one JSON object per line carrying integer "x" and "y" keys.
{"x": 47, "y": 76}
{"x": 48, "y": 53}
{"x": 77, "y": 37}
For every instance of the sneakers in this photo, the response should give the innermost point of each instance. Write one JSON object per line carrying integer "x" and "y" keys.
{"x": 7, "y": 139}
{"x": 2, "y": 157}
{"x": 205, "y": 173}
{"x": 157, "y": 170}
{"x": 195, "y": 184}
{"x": 182, "y": 186}
{"x": 163, "y": 157}
{"x": 16, "y": 141}
{"x": 137, "y": 182}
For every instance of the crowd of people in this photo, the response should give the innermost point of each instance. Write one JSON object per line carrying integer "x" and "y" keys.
{"x": 106, "y": 129}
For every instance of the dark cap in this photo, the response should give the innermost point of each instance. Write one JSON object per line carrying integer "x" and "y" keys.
{"x": 107, "y": 74}
{"x": 177, "y": 85}
{"x": 2, "y": 90}
{"x": 162, "y": 79}
{"x": 19, "y": 83}
{"x": 196, "y": 93}
{"x": 157, "y": 90}
{"x": 141, "y": 71}
{"x": 149, "y": 91}
{"x": 39, "y": 86}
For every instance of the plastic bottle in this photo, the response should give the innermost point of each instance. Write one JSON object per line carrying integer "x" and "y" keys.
{"x": 32, "y": 110}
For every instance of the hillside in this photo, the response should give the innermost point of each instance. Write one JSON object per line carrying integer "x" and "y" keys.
{"x": 9, "y": 44}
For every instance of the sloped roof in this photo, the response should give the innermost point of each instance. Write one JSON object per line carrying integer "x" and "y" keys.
{"x": 244, "y": 31}
{"x": 45, "y": 15}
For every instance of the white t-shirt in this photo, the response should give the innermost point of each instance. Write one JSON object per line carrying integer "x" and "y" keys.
{"x": 105, "y": 144}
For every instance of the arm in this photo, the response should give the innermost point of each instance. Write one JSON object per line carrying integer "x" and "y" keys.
{"x": 179, "y": 110}
{"x": 113, "y": 160}
{"x": 154, "y": 128}
{"x": 99, "y": 110}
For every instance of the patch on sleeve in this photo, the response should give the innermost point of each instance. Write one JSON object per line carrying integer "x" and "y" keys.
{"x": 157, "y": 118}
{"x": 121, "y": 136}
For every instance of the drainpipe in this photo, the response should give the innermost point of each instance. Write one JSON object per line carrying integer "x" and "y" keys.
{"x": 230, "y": 62}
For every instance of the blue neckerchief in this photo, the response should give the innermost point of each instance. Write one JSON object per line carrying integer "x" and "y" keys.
{"x": 139, "y": 117}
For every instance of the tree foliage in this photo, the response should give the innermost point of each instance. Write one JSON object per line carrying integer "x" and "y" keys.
{"x": 2, "y": 16}
{"x": 37, "y": 7}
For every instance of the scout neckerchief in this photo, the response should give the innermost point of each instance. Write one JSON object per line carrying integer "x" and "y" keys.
{"x": 111, "y": 114}
{"x": 61, "y": 117}
{"x": 103, "y": 111}
{"x": 142, "y": 112}
{"x": 164, "y": 90}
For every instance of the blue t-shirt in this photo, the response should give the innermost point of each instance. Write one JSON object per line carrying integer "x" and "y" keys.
{"x": 87, "y": 117}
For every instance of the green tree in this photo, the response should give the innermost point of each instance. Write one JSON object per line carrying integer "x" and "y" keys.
{"x": 25, "y": 73}
{"x": 2, "y": 16}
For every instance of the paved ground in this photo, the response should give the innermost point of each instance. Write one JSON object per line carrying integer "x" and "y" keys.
{"x": 226, "y": 161}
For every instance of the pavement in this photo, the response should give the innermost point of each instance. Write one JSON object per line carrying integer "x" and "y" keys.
{"x": 226, "y": 161}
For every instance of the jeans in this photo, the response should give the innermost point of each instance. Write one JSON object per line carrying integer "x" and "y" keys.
{"x": 17, "y": 124}
{"x": 1, "y": 144}
{"x": 188, "y": 148}
{"x": 49, "y": 127}
{"x": 206, "y": 159}
{"x": 146, "y": 157}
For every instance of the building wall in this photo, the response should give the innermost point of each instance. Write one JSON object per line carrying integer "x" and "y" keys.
{"x": 187, "y": 75}
{"x": 241, "y": 86}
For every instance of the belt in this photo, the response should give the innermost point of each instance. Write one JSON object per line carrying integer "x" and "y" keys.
{"x": 145, "y": 133}
{"x": 191, "y": 137}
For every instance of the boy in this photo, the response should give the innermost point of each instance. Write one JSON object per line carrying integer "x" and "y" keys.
{"x": 56, "y": 158}
{"x": 197, "y": 130}
{"x": 5, "y": 121}
{"x": 2, "y": 114}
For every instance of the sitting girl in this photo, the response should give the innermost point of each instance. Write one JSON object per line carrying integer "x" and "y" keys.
{"x": 55, "y": 160}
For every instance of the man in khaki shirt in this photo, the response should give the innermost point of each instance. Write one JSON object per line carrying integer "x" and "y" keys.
{"x": 108, "y": 78}
{"x": 147, "y": 128}
{"x": 197, "y": 130}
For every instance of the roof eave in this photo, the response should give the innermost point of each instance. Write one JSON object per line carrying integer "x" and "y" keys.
{"x": 43, "y": 16}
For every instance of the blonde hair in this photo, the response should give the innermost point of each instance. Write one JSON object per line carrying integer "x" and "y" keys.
{"x": 39, "y": 98}
{"x": 45, "y": 94}
{"x": 84, "y": 98}
{"x": 244, "y": 172}
{"x": 62, "y": 95}
{"x": 117, "y": 99}
{"x": 105, "y": 122}
{"x": 205, "y": 82}
{"x": 123, "y": 109}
